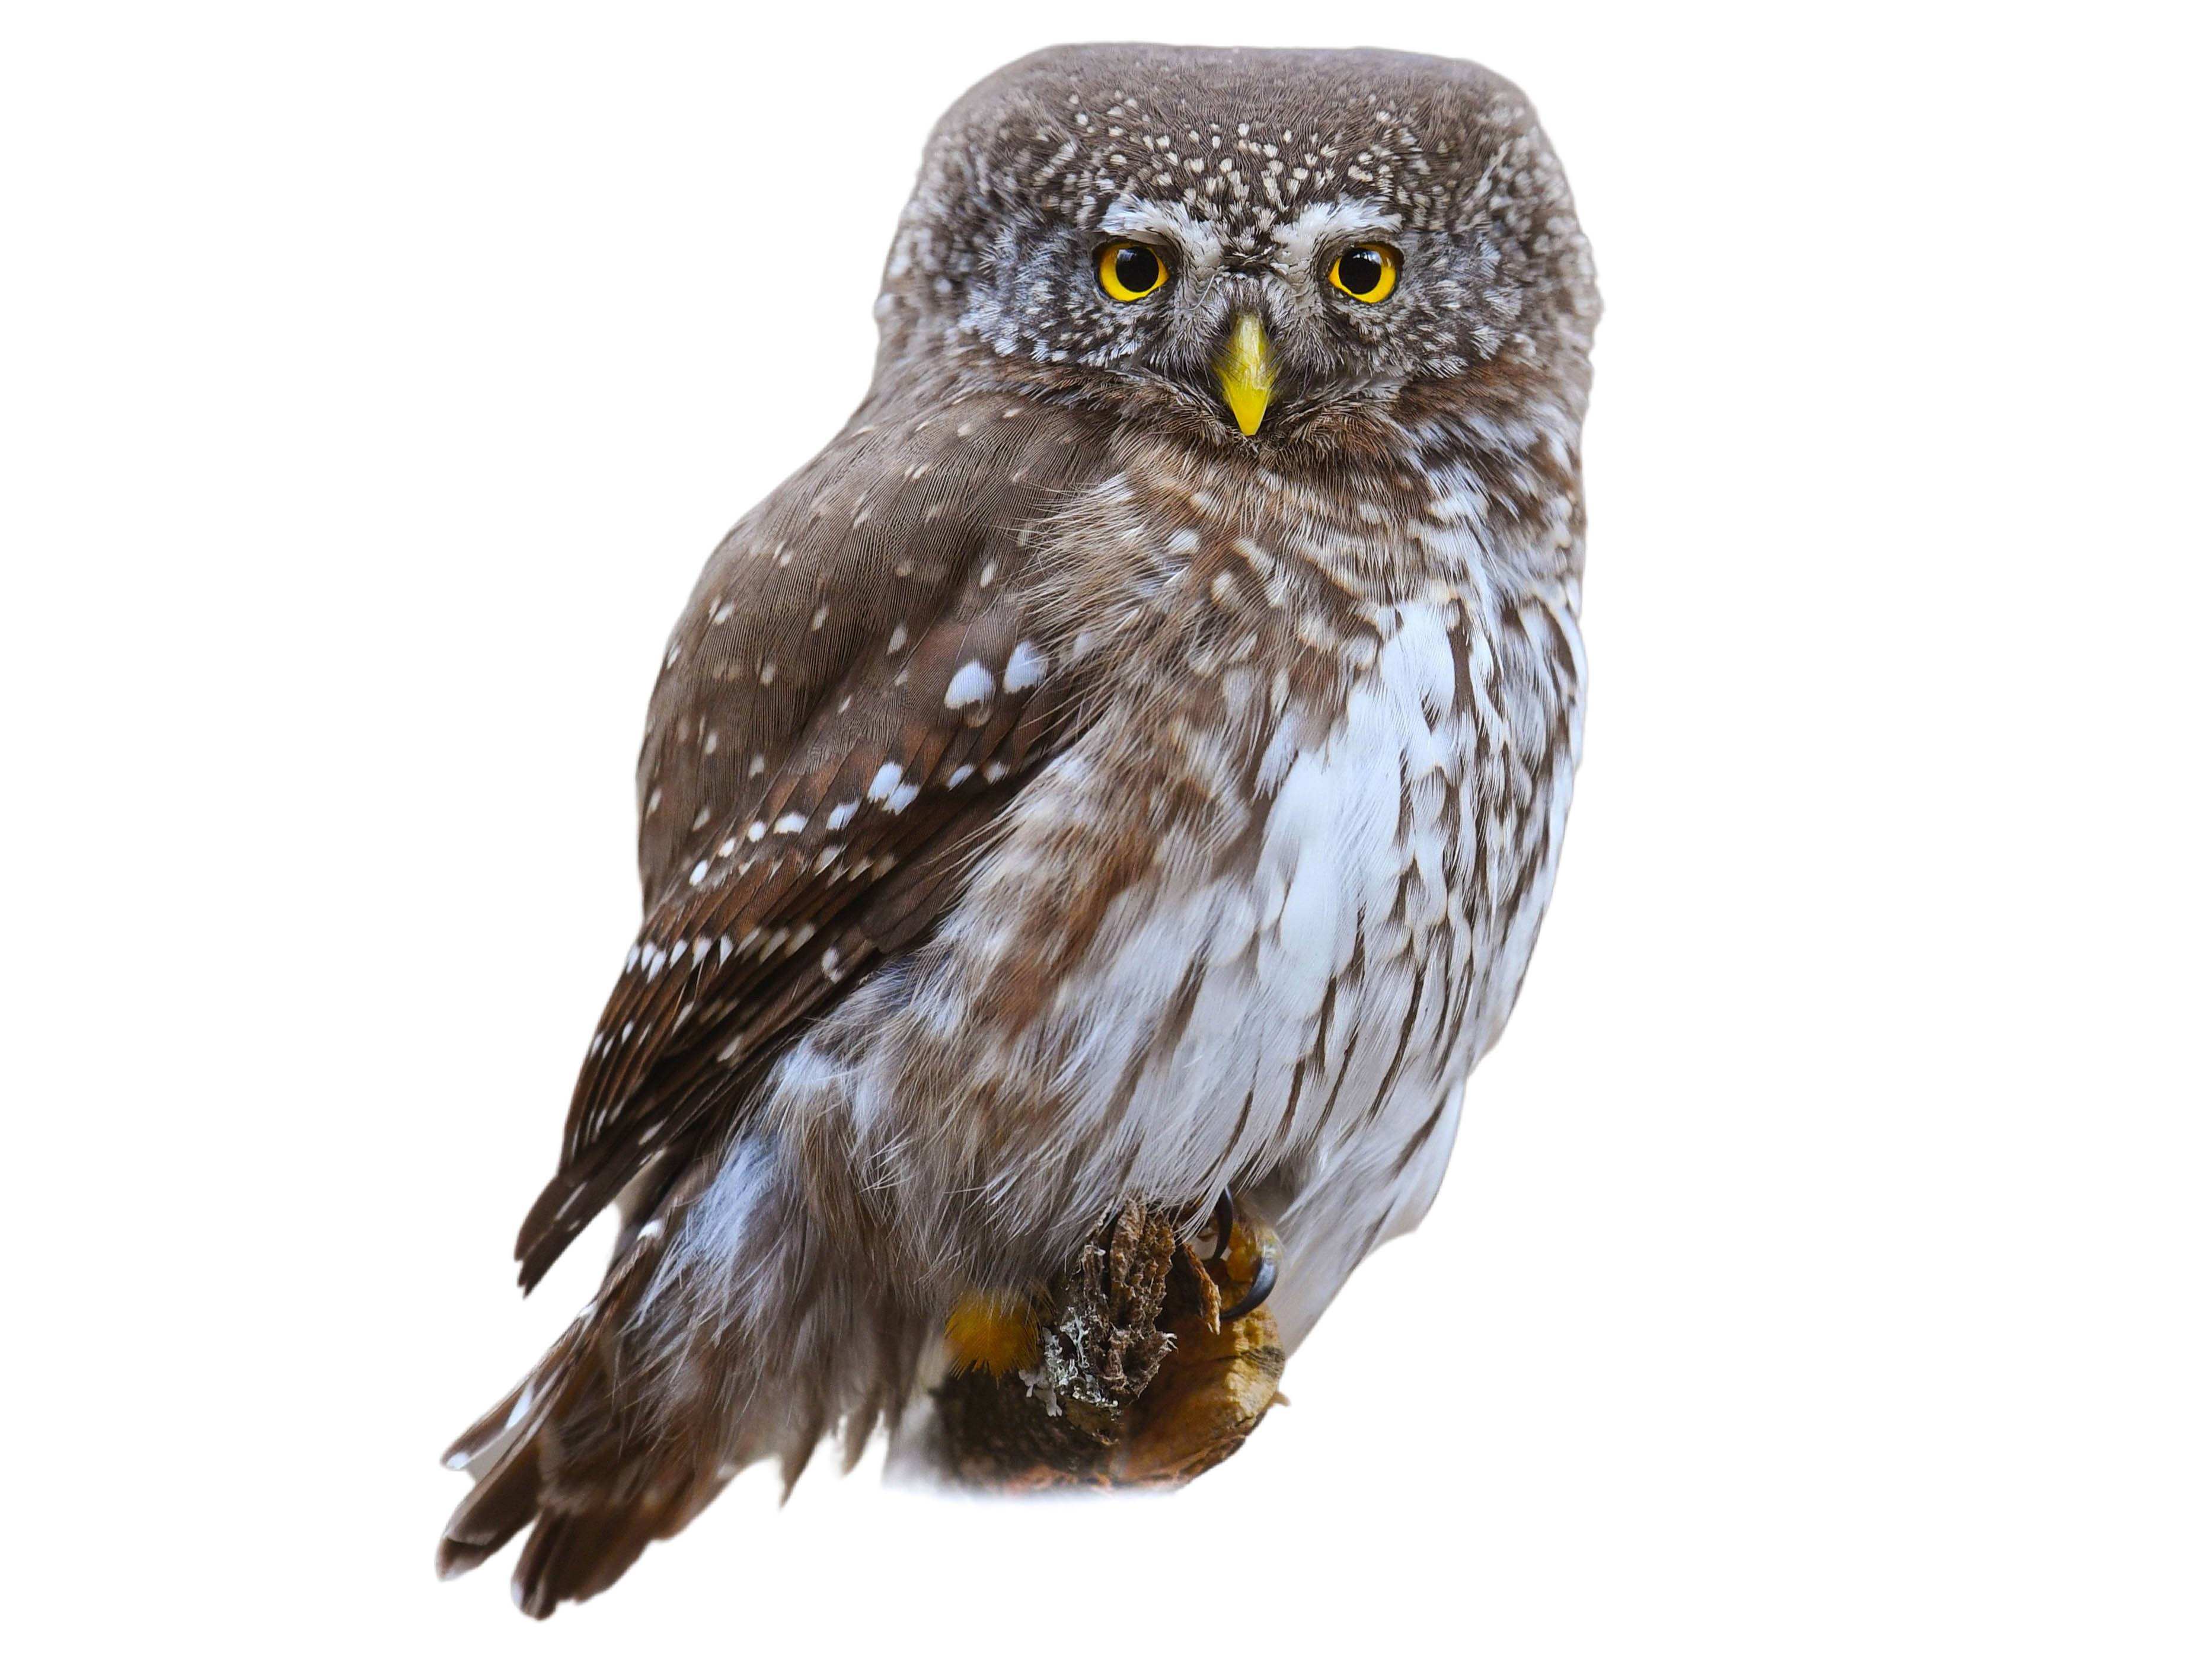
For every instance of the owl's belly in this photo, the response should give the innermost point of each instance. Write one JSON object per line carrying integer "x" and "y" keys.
{"x": 1296, "y": 1017}
{"x": 1237, "y": 934}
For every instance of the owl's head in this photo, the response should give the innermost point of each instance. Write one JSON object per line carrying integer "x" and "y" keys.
{"x": 1263, "y": 243}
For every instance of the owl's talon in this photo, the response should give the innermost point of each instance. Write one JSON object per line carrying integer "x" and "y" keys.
{"x": 1240, "y": 1248}
{"x": 1224, "y": 1225}
{"x": 1256, "y": 1240}
{"x": 1263, "y": 1282}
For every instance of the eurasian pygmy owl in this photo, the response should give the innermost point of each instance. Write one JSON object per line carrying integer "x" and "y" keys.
{"x": 1127, "y": 766}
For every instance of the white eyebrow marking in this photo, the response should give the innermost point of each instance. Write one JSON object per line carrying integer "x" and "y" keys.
{"x": 1301, "y": 236}
{"x": 1168, "y": 221}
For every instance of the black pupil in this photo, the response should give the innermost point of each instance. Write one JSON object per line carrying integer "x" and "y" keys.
{"x": 1136, "y": 269}
{"x": 1361, "y": 270}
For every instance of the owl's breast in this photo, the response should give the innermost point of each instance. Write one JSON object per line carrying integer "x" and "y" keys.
{"x": 1262, "y": 909}
{"x": 1348, "y": 735}
{"x": 1376, "y": 836}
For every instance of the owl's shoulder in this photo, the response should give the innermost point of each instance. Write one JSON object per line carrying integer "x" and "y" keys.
{"x": 834, "y": 613}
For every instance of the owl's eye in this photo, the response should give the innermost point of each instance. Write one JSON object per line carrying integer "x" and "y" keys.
{"x": 1367, "y": 272}
{"x": 1130, "y": 271}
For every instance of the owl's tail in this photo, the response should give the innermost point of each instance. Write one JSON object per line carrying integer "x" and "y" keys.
{"x": 727, "y": 1331}
{"x": 555, "y": 1452}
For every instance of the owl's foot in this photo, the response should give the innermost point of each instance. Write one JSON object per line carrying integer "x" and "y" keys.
{"x": 1228, "y": 1360}
{"x": 1239, "y": 1253}
{"x": 1145, "y": 1363}
{"x": 991, "y": 1334}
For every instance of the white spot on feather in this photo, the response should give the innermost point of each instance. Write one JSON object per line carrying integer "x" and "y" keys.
{"x": 1025, "y": 667}
{"x": 972, "y": 685}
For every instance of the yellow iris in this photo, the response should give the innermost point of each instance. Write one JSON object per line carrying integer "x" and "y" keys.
{"x": 1367, "y": 272}
{"x": 1130, "y": 271}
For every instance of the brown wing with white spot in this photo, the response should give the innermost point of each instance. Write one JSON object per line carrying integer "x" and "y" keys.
{"x": 850, "y": 700}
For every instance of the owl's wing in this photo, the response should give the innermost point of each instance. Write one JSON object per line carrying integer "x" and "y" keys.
{"x": 847, "y": 707}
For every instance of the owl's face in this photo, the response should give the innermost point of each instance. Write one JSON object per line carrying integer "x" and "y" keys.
{"x": 1342, "y": 299}
{"x": 1260, "y": 238}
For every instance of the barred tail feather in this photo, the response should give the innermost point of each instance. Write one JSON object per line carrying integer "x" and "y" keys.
{"x": 550, "y": 1429}
{"x": 728, "y": 1330}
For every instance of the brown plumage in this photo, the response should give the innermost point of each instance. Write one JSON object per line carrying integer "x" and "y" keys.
{"x": 790, "y": 686}
{"x": 1075, "y": 788}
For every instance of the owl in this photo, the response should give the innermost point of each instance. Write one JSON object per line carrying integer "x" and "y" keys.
{"x": 1127, "y": 766}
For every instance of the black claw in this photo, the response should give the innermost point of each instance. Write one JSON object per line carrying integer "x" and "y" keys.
{"x": 1262, "y": 1282}
{"x": 1225, "y": 1223}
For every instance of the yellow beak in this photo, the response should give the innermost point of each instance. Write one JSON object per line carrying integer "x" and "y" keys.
{"x": 1246, "y": 369}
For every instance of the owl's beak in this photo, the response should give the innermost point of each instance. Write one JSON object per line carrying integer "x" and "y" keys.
{"x": 1246, "y": 369}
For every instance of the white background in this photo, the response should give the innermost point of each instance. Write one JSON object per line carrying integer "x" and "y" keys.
{"x": 1823, "y": 1268}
